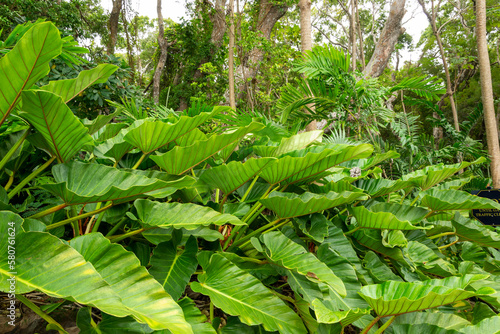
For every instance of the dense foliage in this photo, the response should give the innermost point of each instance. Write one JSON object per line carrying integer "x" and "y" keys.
{"x": 204, "y": 221}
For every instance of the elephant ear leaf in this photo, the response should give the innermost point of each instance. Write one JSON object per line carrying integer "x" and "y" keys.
{"x": 429, "y": 176}
{"x": 62, "y": 131}
{"x": 394, "y": 298}
{"x": 469, "y": 230}
{"x": 293, "y": 143}
{"x": 389, "y": 216}
{"x": 27, "y": 63}
{"x": 59, "y": 271}
{"x": 238, "y": 293}
{"x": 181, "y": 159}
{"x": 69, "y": 88}
{"x": 288, "y": 205}
{"x": 123, "y": 272}
{"x": 150, "y": 136}
{"x": 445, "y": 200}
{"x": 286, "y": 253}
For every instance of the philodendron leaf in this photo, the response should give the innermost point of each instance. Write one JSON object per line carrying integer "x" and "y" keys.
{"x": 288, "y": 205}
{"x": 116, "y": 147}
{"x": 487, "y": 326}
{"x": 69, "y": 88}
{"x": 296, "y": 142}
{"x": 100, "y": 121}
{"x": 327, "y": 315}
{"x": 78, "y": 183}
{"x": 186, "y": 215}
{"x": 109, "y": 324}
{"x": 139, "y": 291}
{"x": 373, "y": 161}
{"x": 390, "y": 216}
{"x": 427, "y": 261}
{"x": 173, "y": 267}
{"x": 372, "y": 239}
{"x": 59, "y": 270}
{"x": 238, "y": 293}
{"x": 429, "y": 176}
{"x": 381, "y": 187}
{"x": 470, "y": 230}
{"x": 442, "y": 200}
{"x": 421, "y": 328}
{"x": 394, "y": 298}
{"x": 53, "y": 119}
{"x": 440, "y": 319}
{"x": 151, "y": 135}
{"x": 230, "y": 177}
{"x": 27, "y": 63}
{"x": 304, "y": 164}
{"x": 181, "y": 159}
{"x": 195, "y": 318}
{"x": 292, "y": 256}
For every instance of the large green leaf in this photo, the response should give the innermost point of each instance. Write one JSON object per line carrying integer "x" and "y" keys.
{"x": 292, "y": 256}
{"x": 379, "y": 270}
{"x": 151, "y": 135}
{"x": 382, "y": 187}
{"x": 441, "y": 200}
{"x": 428, "y": 261}
{"x": 109, "y": 324}
{"x": 238, "y": 293}
{"x": 186, "y": 215}
{"x": 27, "y": 63}
{"x": 312, "y": 162}
{"x": 100, "y": 121}
{"x": 296, "y": 142}
{"x": 287, "y": 205}
{"x": 195, "y": 318}
{"x": 372, "y": 161}
{"x": 116, "y": 147}
{"x": 390, "y": 216}
{"x": 393, "y": 298}
{"x": 78, "y": 183}
{"x": 139, "y": 291}
{"x": 421, "y": 328}
{"x": 69, "y": 88}
{"x": 60, "y": 128}
{"x": 46, "y": 263}
{"x": 487, "y": 326}
{"x": 440, "y": 319}
{"x": 470, "y": 230}
{"x": 173, "y": 267}
{"x": 372, "y": 239}
{"x": 230, "y": 177}
{"x": 429, "y": 176}
{"x": 181, "y": 159}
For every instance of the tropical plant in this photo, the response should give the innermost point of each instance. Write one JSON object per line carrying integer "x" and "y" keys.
{"x": 142, "y": 223}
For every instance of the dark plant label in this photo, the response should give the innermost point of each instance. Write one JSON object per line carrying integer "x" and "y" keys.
{"x": 487, "y": 216}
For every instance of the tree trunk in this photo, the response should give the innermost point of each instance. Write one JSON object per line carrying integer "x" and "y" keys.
{"x": 305, "y": 39}
{"x": 387, "y": 41}
{"x": 487, "y": 93}
{"x": 449, "y": 88}
{"x": 352, "y": 31}
{"x": 232, "y": 99}
{"x": 130, "y": 53}
{"x": 114, "y": 17}
{"x": 269, "y": 14}
{"x": 360, "y": 36}
{"x": 163, "y": 54}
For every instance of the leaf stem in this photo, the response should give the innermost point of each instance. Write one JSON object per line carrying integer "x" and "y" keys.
{"x": 85, "y": 215}
{"x": 20, "y": 186}
{"x": 259, "y": 230}
{"x": 450, "y": 244}
{"x": 387, "y": 324}
{"x": 441, "y": 235}
{"x": 141, "y": 159}
{"x": 211, "y": 311}
{"x": 48, "y": 211}
{"x": 42, "y": 314}
{"x": 126, "y": 235}
{"x": 353, "y": 230}
{"x": 116, "y": 227}
{"x": 245, "y": 195}
{"x": 370, "y": 325}
{"x": 13, "y": 149}
{"x": 9, "y": 182}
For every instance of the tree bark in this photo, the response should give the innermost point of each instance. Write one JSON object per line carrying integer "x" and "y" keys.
{"x": 114, "y": 17}
{"x": 387, "y": 41}
{"x": 232, "y": 99}
{"x": 305, "y": 40}
{"x": 487, "y": 93}
{"x": 269, "y": 14}
{"x": 352, "y": 31}
{"x": 449, "y": 88}
{"x": 163, "y": 54}
{"x": 130, "y": 53}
